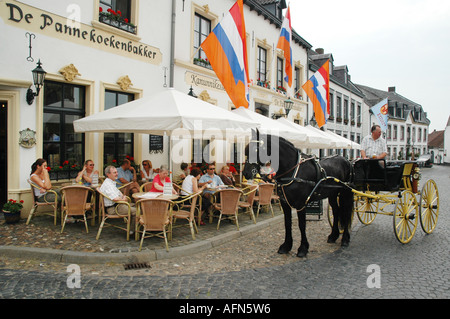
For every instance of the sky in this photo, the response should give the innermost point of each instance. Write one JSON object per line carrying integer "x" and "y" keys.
{"x": 384, "y": 43}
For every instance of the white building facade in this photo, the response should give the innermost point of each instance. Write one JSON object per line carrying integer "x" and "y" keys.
{"x": 96, "y": 59}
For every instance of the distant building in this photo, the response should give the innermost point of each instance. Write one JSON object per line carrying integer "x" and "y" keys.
{"x": 447, "y": 143}
{"x": 436, "y": 146}
{"x": 408, "y": 126}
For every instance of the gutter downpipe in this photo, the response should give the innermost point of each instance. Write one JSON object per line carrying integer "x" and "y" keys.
{"x": 172, "y": 44}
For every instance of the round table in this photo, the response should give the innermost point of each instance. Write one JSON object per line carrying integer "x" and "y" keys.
{"x": 140, "y": 195}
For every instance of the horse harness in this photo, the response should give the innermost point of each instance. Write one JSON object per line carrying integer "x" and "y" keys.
{"x": 320, "y": 175}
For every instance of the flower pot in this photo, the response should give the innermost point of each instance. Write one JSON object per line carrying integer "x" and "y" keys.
{"x": 11, "y": 218}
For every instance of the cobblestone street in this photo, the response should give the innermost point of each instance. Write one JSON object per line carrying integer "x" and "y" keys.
{"x": 416, "y": 270}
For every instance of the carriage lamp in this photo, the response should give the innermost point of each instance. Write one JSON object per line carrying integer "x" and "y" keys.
{"x": 38, "y": 80}
{"x": 191, "y": 92}
{"x": 417, "y": 174}
{"x": 288, "y": 104}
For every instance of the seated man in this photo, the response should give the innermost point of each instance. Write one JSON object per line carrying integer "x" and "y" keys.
{"x": 227, "y": 177}
{"x": 211, "y": 180}
{"x": 110, "y": 189}
{"x": 126, "y": 174}
{"x": 179, "y": 176}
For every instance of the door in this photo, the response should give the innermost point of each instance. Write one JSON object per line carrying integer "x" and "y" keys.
{"x": 3, "y": 152}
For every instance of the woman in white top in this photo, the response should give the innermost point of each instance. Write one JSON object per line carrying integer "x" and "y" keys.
{"x": 39, "y": 176}
{"x": 147, "y": 173}
{"x": 190, "y": 183}
{"x": 86, "y": 174}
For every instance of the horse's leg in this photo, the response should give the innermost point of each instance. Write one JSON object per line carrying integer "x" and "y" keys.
{"x": 346, "y": 198}
{"x": 304, "y": 245}
{"x": 286, "y": 247}
{"x": 332, "y": 200}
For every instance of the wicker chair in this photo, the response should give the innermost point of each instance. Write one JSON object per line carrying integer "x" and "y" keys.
{"x": 146, "y": 187}
{"x": 189, "y": 203}
{"x": 264, "y": 197}
{"x": 276, "y": 199}
{"x": 75, "y": 203}
{"x": 229, "y": 204}
{"x": 47, "y": 203}
{"x": 154, "y": 215}
{"x": 248, "y": 203}
{"x": 105, "y": 216}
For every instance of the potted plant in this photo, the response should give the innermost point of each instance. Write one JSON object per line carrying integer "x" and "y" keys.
{"x": 11, "y": 211}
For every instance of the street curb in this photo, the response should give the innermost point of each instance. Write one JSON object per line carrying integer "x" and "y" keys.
{"x": 146, "y": 255}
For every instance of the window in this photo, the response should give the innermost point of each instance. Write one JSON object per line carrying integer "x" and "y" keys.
{"x": 358, "y": 119}
{"x": 339, "y": 108}
{"x": 331, "y": 106}
{"x": 402, "y": 133}
{"x": 280, "y": 74}
{"x": 117, "y": 145}
{"x": 297, "y": 83}
{"x": 261, "y": 68}
{"x": 395, "y": 132}
{"x": 202, "y": 28}
{"x": 352, "y": 112}
{"x": 63, "y": 104}
{"x": 389, "y": 132}
{"x": 346, "y": 109}
{"x": 119, "y": 17}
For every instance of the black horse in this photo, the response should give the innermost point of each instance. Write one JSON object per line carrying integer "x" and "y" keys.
{"x": 300, "y": 178}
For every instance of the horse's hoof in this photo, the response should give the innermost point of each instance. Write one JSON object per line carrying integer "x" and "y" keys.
{"x": 345, "y": 244}
{"x": 332, "y": 239}
{"x": 283, "y": 250}
{"x": 302, "y": 254}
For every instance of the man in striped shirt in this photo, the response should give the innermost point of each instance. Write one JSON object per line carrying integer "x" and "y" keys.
{"x": 373, "y": 145}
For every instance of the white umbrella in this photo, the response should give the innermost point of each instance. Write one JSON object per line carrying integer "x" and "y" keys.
{"x": 348, "y": 144}
{"x": 162, "y": 113}
{"x": 169, "y": 112}
{"x": 315, "y": 138}
{"x": 273, "y": 127}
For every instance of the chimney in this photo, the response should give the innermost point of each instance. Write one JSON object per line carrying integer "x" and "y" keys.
{"x": 320, "y": 50}
{"x": 391, "y": 89}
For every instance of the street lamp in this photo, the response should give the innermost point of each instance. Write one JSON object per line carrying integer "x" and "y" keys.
{"x": 38, "y": 81}
{"x": 288, "y": 104}
{"x": 191, "y": 92}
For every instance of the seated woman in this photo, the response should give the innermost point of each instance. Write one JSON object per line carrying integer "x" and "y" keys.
{"x": 85, "y": 176}
{"x": 190, "y": 183}
{"x": 160, "y": 179}
{"x": 39, "y": 176}
{"x": 147, "y": 172}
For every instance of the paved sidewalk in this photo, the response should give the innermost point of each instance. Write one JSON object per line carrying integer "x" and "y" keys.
{"x": 41, "y": 239}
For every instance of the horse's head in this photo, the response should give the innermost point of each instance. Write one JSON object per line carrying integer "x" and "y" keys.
{"x": 261, "y": 149}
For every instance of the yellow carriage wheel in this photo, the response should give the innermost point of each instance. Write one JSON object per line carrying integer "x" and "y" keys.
{"x": 405, "y": 217}
{"x": 366, "y": 208}
{"x": 429, "y": 206}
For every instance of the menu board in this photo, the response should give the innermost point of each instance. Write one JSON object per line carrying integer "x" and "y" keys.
{"x": 156, "y": 144}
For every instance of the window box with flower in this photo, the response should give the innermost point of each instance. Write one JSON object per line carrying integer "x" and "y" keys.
{"x": 11, "y": 211}
{"x": 115, "y": 19}
{"x": 263, "y": 83}
{"x": 203, "y": 63}
{"x": 68, "y": 170}
{"x": 281, "y": 89}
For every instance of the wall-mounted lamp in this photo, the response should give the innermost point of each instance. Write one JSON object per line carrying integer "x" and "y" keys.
{"x": 191, "y": 92}
{"x": 288, "y": 104}
{"x": 38, "y": 80}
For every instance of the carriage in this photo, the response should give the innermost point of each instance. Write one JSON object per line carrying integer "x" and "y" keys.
{"x": 392, "y": 188}
{"x": 366, "y": 187}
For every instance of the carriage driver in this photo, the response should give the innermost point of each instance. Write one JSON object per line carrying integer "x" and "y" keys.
{"x": 373, "y": 145}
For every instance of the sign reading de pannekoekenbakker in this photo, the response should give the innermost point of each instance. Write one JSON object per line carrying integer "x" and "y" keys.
{"x": 36, "y": 20}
